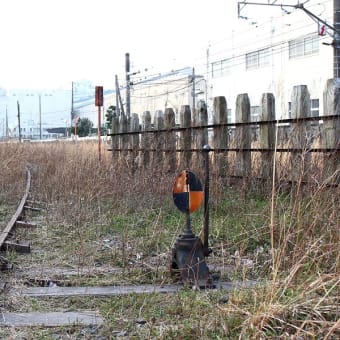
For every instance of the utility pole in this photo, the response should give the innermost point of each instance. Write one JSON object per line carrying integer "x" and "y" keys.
{"x": 6, "y": 122}
{"x": 119, "y": 103}
{"x": 19, "y": 125}
{"x": 72, "y": 103}
{"x": 99, "y": 102}
{"x": 127, "y": 72}
{"x": 40, "y": 116}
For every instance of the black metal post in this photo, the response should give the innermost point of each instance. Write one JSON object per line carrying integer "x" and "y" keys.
{"x": 188, "y": 231}
{"x": 206, "y": 250}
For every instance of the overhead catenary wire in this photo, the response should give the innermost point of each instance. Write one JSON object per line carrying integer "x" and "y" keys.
{"x": 225, "y": 53}
{"x": 236, "y": 60}
{"x": 248, "y": 47}
{"x": 273, "y": 19}
{"x": 259, "y": 40}
{"x": 165, "y": 93}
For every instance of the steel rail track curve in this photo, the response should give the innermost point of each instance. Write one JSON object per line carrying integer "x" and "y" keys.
{"x": 10, "y": 225}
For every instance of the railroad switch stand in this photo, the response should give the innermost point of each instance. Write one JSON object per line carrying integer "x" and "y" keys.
{"x": 188, "y": 261}
{"x": 188, "y": 255}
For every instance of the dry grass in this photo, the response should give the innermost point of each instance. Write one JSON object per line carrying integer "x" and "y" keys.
{"x": 101, "y": 215}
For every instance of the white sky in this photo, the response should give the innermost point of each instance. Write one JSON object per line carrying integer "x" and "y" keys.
{"x": 49, "y": 43}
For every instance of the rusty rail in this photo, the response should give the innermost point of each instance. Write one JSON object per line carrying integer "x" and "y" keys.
{"x": 10, "y": 225}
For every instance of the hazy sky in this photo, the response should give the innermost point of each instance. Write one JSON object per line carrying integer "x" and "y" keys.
{"x": 48, "y": 43}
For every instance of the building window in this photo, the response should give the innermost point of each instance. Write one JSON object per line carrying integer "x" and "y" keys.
{"x": 257, "y": 59}
{"x": 221, "y": 68}
{"x": 303, "y": 47}
{"x": 225, "y": 66}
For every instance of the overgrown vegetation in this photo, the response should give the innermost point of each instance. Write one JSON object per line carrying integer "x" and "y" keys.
{"x": 103, "y": 225}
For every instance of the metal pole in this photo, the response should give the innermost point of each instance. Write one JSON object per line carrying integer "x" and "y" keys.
{"x": 99, "y": 137}
{"x": 206, "y": 250}
{"x": 6, "y": 122}
{"x": 72, "y": 104}
{"x": 121, "y": 109}
{"x": 188, "y": 230}
{"x": 40, "y": 116}
{"x": 19, "y": 125}
{"x": 117, "y": 96}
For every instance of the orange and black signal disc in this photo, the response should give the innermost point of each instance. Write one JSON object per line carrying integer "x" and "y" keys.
{"x": 187, "y": 192}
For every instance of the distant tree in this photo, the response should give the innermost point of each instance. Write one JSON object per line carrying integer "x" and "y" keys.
{"x": 110, "y": 114}
{"x": 84, "y": 127}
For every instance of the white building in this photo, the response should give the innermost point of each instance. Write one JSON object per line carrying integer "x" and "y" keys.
{"x": 273, "y": 54}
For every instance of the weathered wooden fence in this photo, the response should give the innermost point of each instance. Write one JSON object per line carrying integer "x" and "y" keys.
{"x": 303, "y": 147}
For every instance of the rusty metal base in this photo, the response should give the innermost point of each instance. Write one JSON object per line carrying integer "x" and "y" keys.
{"x": 188, "y": 262}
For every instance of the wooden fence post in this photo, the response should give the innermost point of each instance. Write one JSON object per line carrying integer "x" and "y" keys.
{"x": 202, "y": 134}
{"x": 158, "y": 140}
{"x": 331, "y": 135}
{"x": 267, "y": 135}
{"x": 220, "y": 135}
{"x": 115, "y": 139}
{"x": 146, "y": 138}
{"x": 243, "y": 138}
{"x": 185, "y": 116}
{"x": 123, "y": 140}
{"x": 203, "y": 121}
{"x": 170, "y": 137}
{"x": 134, "y": 141}
{"x": 300, "y": 133}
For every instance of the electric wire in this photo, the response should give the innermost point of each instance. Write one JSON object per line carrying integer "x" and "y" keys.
{"x": 235, "y": 60}
{"x": 258, "y": 42}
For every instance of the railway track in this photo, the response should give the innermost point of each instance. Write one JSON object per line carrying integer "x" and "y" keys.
{"x": 52, "y": 288}
{"x": 17, "y": 221}
{"x": 19, "y": 212}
